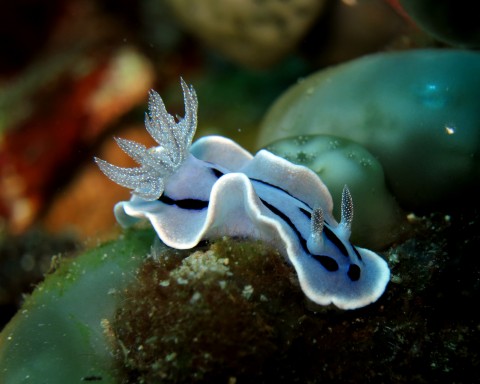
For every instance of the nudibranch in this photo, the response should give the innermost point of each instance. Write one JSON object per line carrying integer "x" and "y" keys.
{"x": 214, "y": 188}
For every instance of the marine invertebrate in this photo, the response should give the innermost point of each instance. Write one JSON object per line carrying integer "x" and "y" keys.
{"x": 216, "y": 188}
{"x": 63, "y": 319}
{"x": 417, "y": 114}
{"x": 379, "y": 220}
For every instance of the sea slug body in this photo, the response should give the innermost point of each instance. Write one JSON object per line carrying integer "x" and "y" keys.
{"x": 215, "y": 188}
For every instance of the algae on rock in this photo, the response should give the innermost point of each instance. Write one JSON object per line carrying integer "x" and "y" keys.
{"x": 206, "y": 316}
{"x": 232, "y": 311}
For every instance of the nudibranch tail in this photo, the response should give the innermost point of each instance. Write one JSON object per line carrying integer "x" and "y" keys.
{"x": 158, "y": 163}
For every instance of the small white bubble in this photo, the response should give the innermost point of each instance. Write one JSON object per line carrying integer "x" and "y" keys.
{"x": 449, "y": 129}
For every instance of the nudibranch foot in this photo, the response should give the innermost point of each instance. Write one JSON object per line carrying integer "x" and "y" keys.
{"x": 215, "y": 188}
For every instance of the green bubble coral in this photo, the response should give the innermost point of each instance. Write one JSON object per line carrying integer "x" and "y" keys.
{"x": 416, "y": 111}
{"x": 58, "y": 334}
{"x": 339, "y": 162}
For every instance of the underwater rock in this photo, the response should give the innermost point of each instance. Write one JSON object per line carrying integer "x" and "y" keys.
{"x": 451, "y": 21}
{"x": 252, "y": 33}
{"x": 339, "y": 162}
{"x": 416, "y": 111}
{"x": 351, "y": 29}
